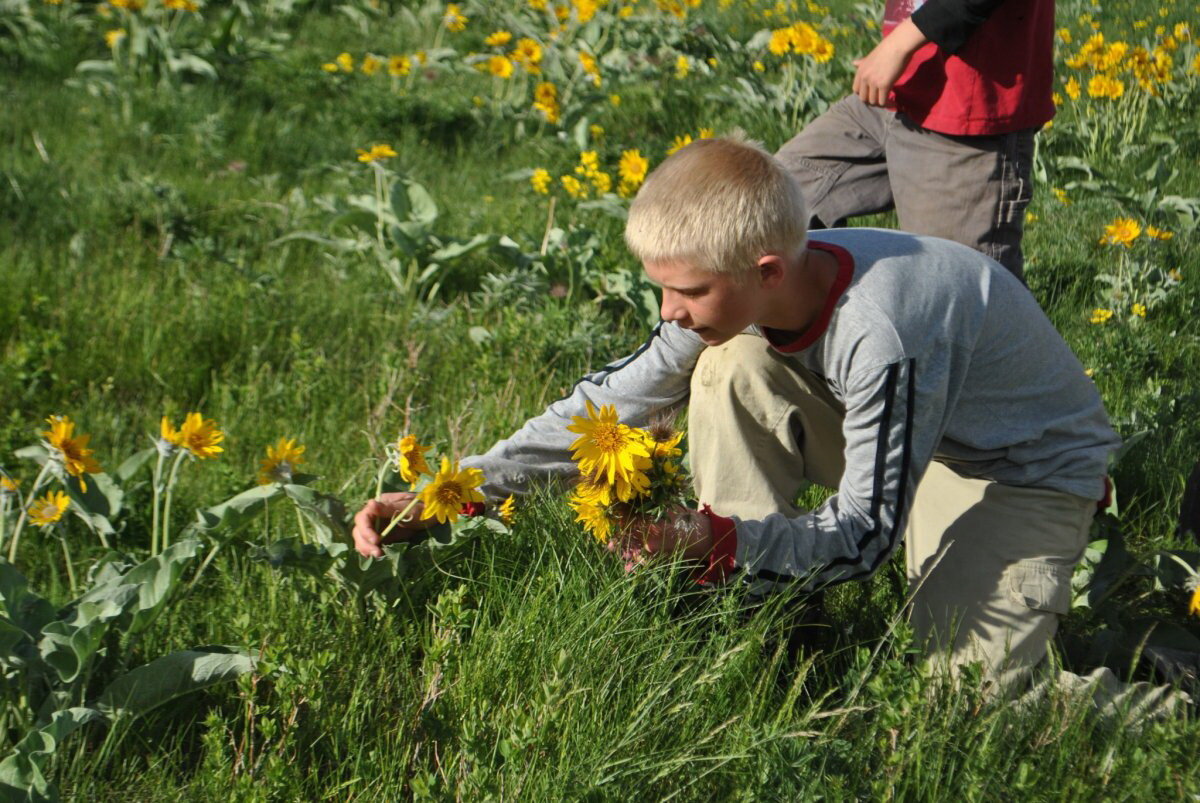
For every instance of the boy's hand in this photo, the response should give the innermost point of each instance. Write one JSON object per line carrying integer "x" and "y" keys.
{"x": 377, "y": 514}
{"x": 684, "y": 532}
{"x": 879, "y": 70}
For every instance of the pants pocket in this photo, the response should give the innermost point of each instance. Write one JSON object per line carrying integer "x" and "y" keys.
{"x": 1039, "y": 585}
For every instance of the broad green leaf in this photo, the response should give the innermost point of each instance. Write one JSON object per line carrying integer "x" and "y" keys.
{"x": 133, "y": 464}
{"x": 326, "y": 512}
{"x": 422, "y": 208}
{"x": 23, "y": 608}
{"x": 455, "y": 250}
{"x": 68, "y": 644}
{"x": 165, "y": 679}
{"x": 233, "y": 513}
{"x": 21, "y": 772}
{"x": 292, "y": 554}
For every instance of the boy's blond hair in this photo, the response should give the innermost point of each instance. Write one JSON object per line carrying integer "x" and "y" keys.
{"x": 718, "y": 205}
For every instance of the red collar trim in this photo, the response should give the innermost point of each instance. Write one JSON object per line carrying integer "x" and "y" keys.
{"x": 840, "y": 283}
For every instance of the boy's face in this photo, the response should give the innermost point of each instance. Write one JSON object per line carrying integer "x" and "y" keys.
{"x": 713, "y": 305}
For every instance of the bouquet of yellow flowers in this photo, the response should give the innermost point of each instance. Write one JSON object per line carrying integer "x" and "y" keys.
{"x": 625, "y": 472}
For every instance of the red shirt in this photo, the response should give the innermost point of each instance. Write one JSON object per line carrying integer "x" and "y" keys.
{"x": 999, "y": 81}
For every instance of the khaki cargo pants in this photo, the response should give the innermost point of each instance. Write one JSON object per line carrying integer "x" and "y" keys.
{"x": 989, "y": 565}
{"x": 857, "y": 159}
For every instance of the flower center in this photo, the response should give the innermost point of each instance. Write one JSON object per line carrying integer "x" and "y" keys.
{"x": 449, "y": 493}
{"x": 608, "y": 438}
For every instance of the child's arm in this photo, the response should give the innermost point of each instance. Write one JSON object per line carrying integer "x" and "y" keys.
{"x": 656, "y": 376}
{"x": 879, "y": 70}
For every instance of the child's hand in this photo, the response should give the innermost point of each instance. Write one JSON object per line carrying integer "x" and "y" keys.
{"x": 879, "y": 70}
{"x": 376, "y": 516}
{"x": 685, "y": 532}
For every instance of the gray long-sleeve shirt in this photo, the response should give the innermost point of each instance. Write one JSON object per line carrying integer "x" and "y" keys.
{"x": 935, "y": 351}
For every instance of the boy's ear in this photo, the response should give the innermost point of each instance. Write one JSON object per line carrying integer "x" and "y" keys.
{"x": 771, "y": 270}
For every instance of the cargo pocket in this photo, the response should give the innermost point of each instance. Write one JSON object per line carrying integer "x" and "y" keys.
{"x": 1039, "y": 585}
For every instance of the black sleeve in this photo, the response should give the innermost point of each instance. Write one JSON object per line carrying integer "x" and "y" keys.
{"x": 949, "y": 23}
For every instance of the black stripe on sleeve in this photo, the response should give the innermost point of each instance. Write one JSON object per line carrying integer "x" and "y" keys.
{"x": 877, "y": 492}
{"x": 598, "y": 377}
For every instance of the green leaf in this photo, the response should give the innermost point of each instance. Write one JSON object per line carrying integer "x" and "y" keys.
{"x": 21, "y": 772}
{"x": 99, "y": 505}
{"x": 292, "y": 554}
{"x": 235, "y": 512}
{"x": 130, "y": 600}
{"x": 191, "y": 63}
{"x": 133, "y": 464}
{"x": 147, "y": 687}
{"x": 422, "y": 208}
{"x": 20, "y": 606}
{"x": 457, "y": 249}
{"x": 68, "y": 644}
{"x": 327, "y": 513}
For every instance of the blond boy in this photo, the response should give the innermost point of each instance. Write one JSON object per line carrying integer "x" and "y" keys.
{"x": 913, "y": 375}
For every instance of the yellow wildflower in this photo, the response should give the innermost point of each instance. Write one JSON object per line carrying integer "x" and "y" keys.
{"x": 498, "y": 39}
{"x": 371, "y": 64}
{"x": 1061, "y": 195}
{"x": 170, "y": 435}
{"x": 574, "y": 187}
{"x": 280, "y": 462}
{"x": 596, "y": 131}
{"x": 500, "y": 66}
{"x": 1121, "y": 231}
{"x": 399, "y": 66}
{"x": 682, "y": 66}
{"x": 1138, "y": 309}
{"x": 345, "y": 62}
{"x": 508, "y": 510}
{"x": 181, "y": 5}
{"x": 632, "y": 170}
{"x": 8, "y": 485}
{"x": 1072, "y": 88}
{"x": 606, "y": 448}
{"x": 450, "y": 489}
{"x": 329, "y": 66}
{"x": 1064, "y": 35}
{"x": 1101, "y": 315}
{"x": 1104, "y": 86}
{"x": 1155, "y": 233}
{"x": 759, "y": 66}
{"x": 113, "y": 38}
{"x": 527, "y": 52}
{"x": 590, "y": 502}
{"x": 588, "y": 62}
{"x": 453, "y": 18}
{"x": 376, "y": 153}
{"x": 616, "y": 99}
{"x": 545, "y": 100}
{"x": 200, "y": 436}
{"x": 1194, "y": 604}
{"x": 540, "y": 181}
{"x": 681, "y": 141}
{"x": 128, "y": 5}
{"x": 72, "y": 451}
{"x": 408, "y": 458}
{"x": 49, "y": 508}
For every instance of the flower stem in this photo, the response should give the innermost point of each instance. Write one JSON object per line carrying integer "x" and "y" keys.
{"x": 402, "y": 517}
{"x": 37, "y": 483}
{"x": 154, "y": 505}
{"x": 166, "y": 519}
{"x": 62, "y": 539}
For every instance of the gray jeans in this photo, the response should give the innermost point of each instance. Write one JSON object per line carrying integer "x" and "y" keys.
{"x": 857, "y": 159}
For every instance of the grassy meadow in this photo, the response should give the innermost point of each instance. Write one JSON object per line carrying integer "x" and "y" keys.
{"x": 187, "y": 225}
